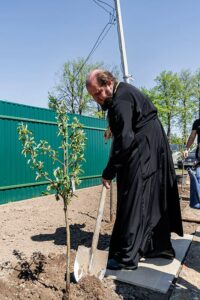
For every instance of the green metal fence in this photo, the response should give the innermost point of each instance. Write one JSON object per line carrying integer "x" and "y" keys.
{"x": 17, "y": 180}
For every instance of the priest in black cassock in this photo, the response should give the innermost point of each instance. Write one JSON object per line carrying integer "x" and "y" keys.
{"x": 148, "y": 207}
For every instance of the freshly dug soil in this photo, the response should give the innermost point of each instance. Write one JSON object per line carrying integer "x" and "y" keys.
{"x": 32, "y": 257}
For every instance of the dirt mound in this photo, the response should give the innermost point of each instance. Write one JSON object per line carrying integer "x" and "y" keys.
{"x": 43, "y": 277}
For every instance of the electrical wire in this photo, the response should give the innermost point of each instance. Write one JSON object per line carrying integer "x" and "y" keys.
{"x": 103, "y": 2}
{"x": 100, "y": 38}
{"x": 102, "y": 35}
{"x": 106, "y": 4}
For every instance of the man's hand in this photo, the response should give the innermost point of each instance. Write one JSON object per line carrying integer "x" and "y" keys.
{"x": 107, "y": 134}
{"x": 106, "y": 183}
{"x": 185, "y": 154}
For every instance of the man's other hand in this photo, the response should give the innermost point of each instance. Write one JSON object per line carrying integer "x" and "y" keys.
{"x": 106, "y": 183}
{"x": 185, "y": 154}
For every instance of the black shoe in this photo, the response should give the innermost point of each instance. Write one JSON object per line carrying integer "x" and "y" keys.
{"x": 168, "y": 254}
{"x": 115, "y": 265}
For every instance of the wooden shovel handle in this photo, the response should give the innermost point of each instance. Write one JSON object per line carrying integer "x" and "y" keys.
{"x": 111, "y": 201}
{"x": 98, "y": 225}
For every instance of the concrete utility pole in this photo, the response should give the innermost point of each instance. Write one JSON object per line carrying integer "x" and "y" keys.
{"x": 122, "y": 48}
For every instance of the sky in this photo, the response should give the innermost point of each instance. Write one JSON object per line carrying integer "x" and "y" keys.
{"x": 38, "y": 37}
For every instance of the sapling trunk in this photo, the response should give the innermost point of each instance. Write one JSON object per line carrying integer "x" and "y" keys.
{"x": 65, "y": 198}
{"x": 68, "y": 247}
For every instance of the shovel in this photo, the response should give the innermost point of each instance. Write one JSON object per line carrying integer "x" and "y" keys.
{"x": 111, "y": 201}
{"x": 91, "y": 261}
{"x": 182, "y": 182}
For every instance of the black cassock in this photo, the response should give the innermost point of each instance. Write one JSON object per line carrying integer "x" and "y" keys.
{"x": 148, "y": 207}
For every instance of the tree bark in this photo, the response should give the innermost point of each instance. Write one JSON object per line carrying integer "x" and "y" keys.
{"x": 68, "y": 247}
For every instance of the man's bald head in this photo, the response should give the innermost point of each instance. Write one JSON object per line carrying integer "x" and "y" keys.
{"x": 100, "y": 85}
{"x": 101, "y": 77}
{"x": 93, "y": 75}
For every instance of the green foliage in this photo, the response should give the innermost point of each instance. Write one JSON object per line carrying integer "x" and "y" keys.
{"x": 71, "y": 87}
{"x": 196, "y": 79}
{"x": 77, "y": 138}
{"x": 186, "y": 103}
{"x": 155, "y": 99}
{"x": 175, "y": 139}
{"x": 168, "y": 90}
{"x": 177, "y": 98}
{"x": 60, "y": 180}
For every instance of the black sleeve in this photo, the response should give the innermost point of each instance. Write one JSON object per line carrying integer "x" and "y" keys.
{"x": 123, "y": 137}
{"x": 196, "y": 124}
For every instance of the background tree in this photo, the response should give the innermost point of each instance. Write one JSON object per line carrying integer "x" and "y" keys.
{"x": 176, "y": 139}
{"x": 168, "y": 94}
{"x": 187, "y": 103}
{"x": 154, "y": 96}
{"x": 197, "y": 91}
{"x": 66, "y": 174}
{"x": 71, "y": 87}
{"x": 177, "y": 98}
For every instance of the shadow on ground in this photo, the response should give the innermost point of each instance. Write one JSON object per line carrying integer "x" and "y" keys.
{"x": 78, "y": 237}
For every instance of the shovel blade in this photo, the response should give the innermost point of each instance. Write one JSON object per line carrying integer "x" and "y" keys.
{"x": 82, "y": 261}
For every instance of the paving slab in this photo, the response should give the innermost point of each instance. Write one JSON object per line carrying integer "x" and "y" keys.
{"x": 187, "y": 286}
{"x": 156, "y": 273}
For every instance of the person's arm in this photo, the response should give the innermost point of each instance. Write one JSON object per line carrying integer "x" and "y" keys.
{"x": 189, "y": 143}
{"x": 123, "y": 137}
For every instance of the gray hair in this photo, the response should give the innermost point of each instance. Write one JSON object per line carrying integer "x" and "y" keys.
{"x": 101, "y": 76}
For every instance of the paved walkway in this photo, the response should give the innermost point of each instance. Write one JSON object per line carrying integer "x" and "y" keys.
{"x": 187, "y": 286}
{"x": 184, "y": 285}
{"x": 156, "y": 274}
